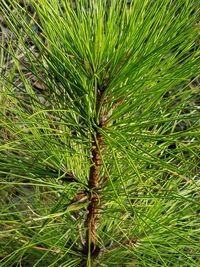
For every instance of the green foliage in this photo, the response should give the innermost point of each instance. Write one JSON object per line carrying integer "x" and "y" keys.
{"x": 74, "y": 65}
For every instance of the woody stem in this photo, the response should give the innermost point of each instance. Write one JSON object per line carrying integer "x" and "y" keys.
{"x": 90, "y": 247}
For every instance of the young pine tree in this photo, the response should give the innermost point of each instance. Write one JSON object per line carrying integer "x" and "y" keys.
{"x": 99, "y": 139}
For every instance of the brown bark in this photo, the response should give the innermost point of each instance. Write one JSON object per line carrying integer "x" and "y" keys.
{"x": 93, "y": 208}
{"x": 91, "y": 221}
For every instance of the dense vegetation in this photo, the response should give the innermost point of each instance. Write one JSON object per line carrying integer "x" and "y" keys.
{"x": 99, "y": 133}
